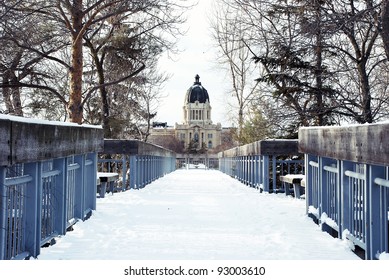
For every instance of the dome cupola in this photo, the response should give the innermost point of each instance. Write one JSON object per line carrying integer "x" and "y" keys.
{"x": 197, "y": 92}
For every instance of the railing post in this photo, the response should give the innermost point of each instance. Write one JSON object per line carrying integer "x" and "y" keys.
{"x": 133, "y": 168}
{"x": 255, "y": 171}
{"x": 346, "y": 195}
{"x": 339, "y": 194}
{"x": 60, "y": 191}
{"x": 237, "y": 159}
{"x": 149, "y": 169}
{"x": 250, "y": 169}
{"x": 322, "y": 187}
{"x": 246, "y": 170}
{"x": 153, "y": 172}
{"x": 308, "y": 182}
{"x": 146, "y": 160}
{"x": 3, "y": 203}
{"x": 34, "y": 206}
{"x": 265, "y": 173}
{"x": 124, "y": 172}
{"x": 91, "y": 182}
{"x": 161, "y": 166}
{"x": 154, "y": 168}
{"x": 154, "y": 161}
{"x": 274, "y": 173}
{"x": 144, "y": 171}
{"x": 139, "y": 168}
{"x": 260, "y": 171}
{"x": 241, "y": 168}
{"x": 80, "y": 187}
{"x": 329, "y": 192}
{"x": 377, "y": 240}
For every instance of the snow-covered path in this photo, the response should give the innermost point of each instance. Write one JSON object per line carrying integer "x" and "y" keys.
{"x": 198, "y": 215}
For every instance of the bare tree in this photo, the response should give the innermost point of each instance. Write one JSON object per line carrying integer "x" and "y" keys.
{"x": 384, "y": 20}
{"x": 320, "y": 59}
{"x": 360, "y": 54}
{"x": 121, "y": 48}
{"x": 229, "y": 35}
{"x": 91, "y": 20}
{"x": 22, "y": 56}
{"x": 78, "y": 18}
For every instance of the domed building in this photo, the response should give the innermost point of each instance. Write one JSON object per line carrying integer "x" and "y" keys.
{"x": 197, "y": 131}
{"x": 197, "y": 134}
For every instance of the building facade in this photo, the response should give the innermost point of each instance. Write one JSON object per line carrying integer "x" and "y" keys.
{"x": 197, "y": 132}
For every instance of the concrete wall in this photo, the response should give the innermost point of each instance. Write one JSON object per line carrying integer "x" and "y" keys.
{"x": 22, "y": 141}
{"x": 362, "y": 143}
{"x": 264, "y": 147}
{"x": 135, "y": 147}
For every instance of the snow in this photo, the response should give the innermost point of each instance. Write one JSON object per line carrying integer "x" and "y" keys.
{"x": 198, "y": 214}
{"x": 325, "y": 219}
{"x": 383, "y": 256}
{"x": 45, "y": 122}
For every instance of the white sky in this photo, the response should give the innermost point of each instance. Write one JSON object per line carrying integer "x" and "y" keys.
{"x": 197, "y": 57}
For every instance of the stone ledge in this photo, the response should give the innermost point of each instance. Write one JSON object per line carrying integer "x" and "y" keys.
{"x": 272, "y": 147}
{"x": 23, "y": 141}
{"x": 134, "y": 147}
{"x": 358, "y": 143}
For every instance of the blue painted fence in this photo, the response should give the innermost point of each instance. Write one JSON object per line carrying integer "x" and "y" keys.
{"x": 47, "y": 182}
{"x": 260, "y": 164}
{"x": 137, "y": 163}
{"x": 347, "y": 183}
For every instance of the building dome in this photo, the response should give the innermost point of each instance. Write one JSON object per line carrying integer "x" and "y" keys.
{"x": 197, "y": 92}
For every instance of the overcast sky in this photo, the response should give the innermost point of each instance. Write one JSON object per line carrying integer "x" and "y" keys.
{"x": 197, "y": 57}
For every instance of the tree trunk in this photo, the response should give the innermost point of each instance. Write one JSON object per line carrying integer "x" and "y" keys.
{"x": 319, "y": 68}
{"x": 367, "y": 116}
{"x": 75, "y": 99}
{"x": 15, "y": 92}
{"x": 385, "y": 26}
{"x": 105, "y": 111}
{"x": 240, "y": 123}
{"x": 7, "y": 93}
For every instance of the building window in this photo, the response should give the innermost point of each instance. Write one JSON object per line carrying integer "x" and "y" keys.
{"x": 210, "y": 136}
{"x": 182, "y": 136}
{"x": 209, "y": 144}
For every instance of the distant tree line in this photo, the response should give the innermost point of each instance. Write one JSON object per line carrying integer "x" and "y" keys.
{"x": 298, "y": 63}
{"x": 89, "y": 61}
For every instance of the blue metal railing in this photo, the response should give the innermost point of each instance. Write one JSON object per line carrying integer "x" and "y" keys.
{"x": 347, "y": 187}
{"x": 139, "y": 165}
{"x": 13, "y": 203}
{"x": 45, "y": 192}
{"x": 45, "y": 186}
{"x": 260, "y": 164}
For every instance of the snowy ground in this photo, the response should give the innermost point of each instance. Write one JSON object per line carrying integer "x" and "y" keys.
{"x": 198, "y": 215}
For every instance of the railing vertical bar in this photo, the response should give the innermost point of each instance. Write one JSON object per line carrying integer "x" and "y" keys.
{"x": 3, "y": 213}
{"x": 12, "y": 221}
